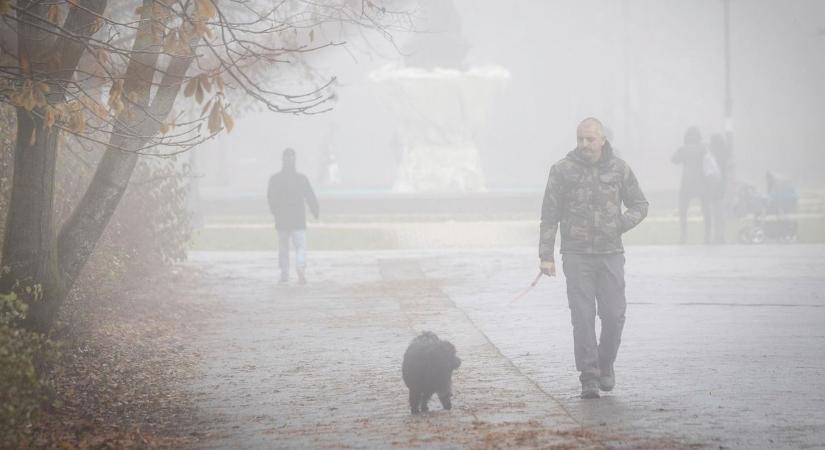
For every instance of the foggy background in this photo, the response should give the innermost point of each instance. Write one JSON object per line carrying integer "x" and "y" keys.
{"x": 430, "y": 169}
{"x": 647, "y": 68}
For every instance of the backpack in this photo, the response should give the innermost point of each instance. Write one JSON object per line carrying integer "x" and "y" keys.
{"x": 710, "y": 168}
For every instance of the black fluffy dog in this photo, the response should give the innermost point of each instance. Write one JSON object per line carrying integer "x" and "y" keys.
{"x": 427, "y": 369}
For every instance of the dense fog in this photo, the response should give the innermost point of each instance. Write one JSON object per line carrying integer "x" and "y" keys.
{"x": 431, "y": 243}
{"x": 648, "y": 69}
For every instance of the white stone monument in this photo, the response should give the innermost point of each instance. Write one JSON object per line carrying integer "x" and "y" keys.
{"x": 439, "y": 111}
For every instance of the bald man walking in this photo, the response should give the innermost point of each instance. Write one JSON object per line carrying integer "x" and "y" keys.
{"x": 585, "y": 193}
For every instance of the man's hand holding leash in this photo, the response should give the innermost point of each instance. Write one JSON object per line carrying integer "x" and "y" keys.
{"x": 548, "y": 268}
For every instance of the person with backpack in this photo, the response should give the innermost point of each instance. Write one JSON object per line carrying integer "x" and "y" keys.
{"x": 698, "y": 173}
{"x": 287, "y": 194}
{"x": 720, "y": 185}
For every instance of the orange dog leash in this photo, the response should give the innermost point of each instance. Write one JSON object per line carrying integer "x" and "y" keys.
{"x": 528, "y": 289}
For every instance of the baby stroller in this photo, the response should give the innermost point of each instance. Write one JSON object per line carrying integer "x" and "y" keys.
{"x": 773, "y": 214}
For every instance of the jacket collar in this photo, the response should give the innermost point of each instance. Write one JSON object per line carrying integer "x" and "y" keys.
{"x": 607, "y": 154}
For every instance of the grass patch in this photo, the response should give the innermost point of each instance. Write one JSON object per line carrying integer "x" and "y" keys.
{"x": 456, "y": 234}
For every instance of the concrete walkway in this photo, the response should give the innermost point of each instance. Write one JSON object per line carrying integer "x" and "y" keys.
{"x": 723, "y": 348}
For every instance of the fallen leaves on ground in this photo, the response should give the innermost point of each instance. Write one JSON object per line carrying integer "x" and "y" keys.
{"x": 125, "y": 357}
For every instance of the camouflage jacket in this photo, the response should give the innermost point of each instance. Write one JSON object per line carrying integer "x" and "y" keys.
{"x": 586, "y": 199}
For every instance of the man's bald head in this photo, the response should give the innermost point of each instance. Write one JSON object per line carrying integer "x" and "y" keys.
{"x": 590, "y": 138}
{"x": 592, "y": 122}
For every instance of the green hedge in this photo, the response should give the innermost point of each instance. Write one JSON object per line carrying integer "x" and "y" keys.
{"x": 22, "y": 387}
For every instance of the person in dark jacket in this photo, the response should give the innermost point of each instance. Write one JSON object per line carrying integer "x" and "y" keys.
{"x": 287, "y": 192}
{"x": 718, "y": 192}
{"x": 583, "y": 198}
{"x": 694, "y": 182}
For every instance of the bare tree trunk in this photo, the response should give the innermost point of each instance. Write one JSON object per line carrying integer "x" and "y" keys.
{"x": 88, "y": 220}
{"x": 29, "y": 253}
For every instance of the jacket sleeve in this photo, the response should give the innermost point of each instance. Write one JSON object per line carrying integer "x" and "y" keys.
{"x": 309, "y": 196}
{"x": 634, "y": 200}
{"x": 271, "y": 195}
{"x": 550, "y": 215}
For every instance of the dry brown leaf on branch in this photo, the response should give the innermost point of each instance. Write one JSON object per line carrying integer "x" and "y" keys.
{"x": 77, "y": 121}
{"x": 228, "y": 121}
{"x": 30, "y": 95}
{"x": 205, "y": 9}
{"x": 54, "y": 15}
{"x": 96, "y": 25}
{"x": 201, "y": 28}
{"x": 214, "y": 122}
{"x": 199, "y": 93}
{"x": 39, "y": 91}
{"x": 101, "y": 56}
{"x": 94, "y": 106}
{"x": 169, "y": 124}
{"x": 160, "y": 11}
{"x": 189, "y": 90}
{"x": 115, "y": 93}
{"x": 49, "y": 117}
{"x": 205, "y": 108}
{"x": 170, "y": 42}
{"x": 204, "y": 81}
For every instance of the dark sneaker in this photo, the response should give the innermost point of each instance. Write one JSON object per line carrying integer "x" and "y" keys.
{"x": 607, "y": 381}
{"x": 301, "y": 278}
{"x": 284, "y": 279}
{"x": 590, "y": 390}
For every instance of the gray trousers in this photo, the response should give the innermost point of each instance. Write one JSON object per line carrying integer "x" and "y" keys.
{"x": 595, "y": 284}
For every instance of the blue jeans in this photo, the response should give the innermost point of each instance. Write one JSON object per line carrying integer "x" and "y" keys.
{"x": 299, "y": 241}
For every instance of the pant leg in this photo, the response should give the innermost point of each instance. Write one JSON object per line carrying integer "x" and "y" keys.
{"x": 283, "y": 251}
{"x": 299, "y": 241}
{"x": 718, "y": 211}
{"x": 610, "y": 296}
{"x": 707, "y": 217}
{"x": 684, "y": 204}
{"x": 581, "y": 298}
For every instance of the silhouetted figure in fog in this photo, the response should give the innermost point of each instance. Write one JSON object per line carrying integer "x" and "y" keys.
{"x": 287, "y": 192}
{"x": 694, "y": 184}
{"x": 721, "y": 151}
{"x": 585, "y": 192}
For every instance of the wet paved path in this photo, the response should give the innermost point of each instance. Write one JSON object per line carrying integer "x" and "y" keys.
{"x": 724, "y": 347}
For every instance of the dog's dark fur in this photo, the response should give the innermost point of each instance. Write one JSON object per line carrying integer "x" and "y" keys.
{"x": 427, "y": 369}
